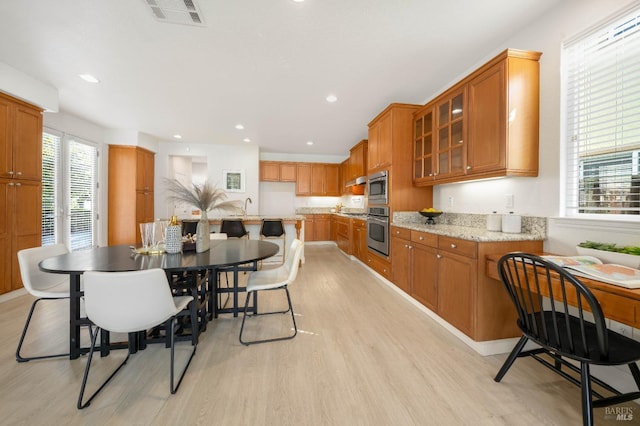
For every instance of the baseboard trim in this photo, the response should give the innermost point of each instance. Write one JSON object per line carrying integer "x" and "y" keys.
{"x": 12, "y": 295}
{"x": 485, "y": 348}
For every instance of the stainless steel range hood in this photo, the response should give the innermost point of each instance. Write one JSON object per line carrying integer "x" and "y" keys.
{"x": 361, "y": 180}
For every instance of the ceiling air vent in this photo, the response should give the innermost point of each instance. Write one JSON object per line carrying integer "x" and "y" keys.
{"x": 185, "y": 12}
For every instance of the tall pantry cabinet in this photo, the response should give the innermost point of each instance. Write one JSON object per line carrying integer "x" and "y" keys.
{"x": 131, "y": 175}
{"x": 20, "y": 185}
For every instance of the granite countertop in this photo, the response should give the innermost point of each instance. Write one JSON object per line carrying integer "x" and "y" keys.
{"x": 248, "y": 217}
{"x": 471, "y": 227}
{"x": 470, "y": 233}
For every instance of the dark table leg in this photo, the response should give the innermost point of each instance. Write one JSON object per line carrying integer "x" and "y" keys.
{"x": 74, "y": 316}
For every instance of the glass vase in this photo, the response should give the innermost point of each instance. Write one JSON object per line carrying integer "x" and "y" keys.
{"x": 203, "y": 240}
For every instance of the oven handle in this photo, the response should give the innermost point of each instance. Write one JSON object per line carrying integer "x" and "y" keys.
{"x": 377, "y": 219}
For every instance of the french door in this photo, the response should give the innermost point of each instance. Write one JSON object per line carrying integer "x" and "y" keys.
{"x": 69, "y": 190}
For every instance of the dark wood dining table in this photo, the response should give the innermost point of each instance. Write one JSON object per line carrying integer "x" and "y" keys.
{"x": 234, "y": 254}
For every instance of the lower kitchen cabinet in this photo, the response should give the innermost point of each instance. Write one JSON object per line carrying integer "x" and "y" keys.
{"x": 343, "y": 234}
{"x": 447, "y": 276}
{"x": 359, "y": 239}
{"x": 317, "y": 227}
{"x": 379, "y": 264}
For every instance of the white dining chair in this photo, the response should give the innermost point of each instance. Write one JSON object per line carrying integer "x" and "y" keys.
{"x": 128, "y": 302}
{"x": 274, "y": 279}
{"x": 43, "y": 285}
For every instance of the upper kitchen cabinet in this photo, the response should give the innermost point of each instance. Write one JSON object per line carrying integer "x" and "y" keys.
{"x": 128, "y": 205}
{"x": 277, "y": 171}
{"x": 390, "y": 132}
{"x": 484, "y": 126}
{"x": 504, "y": 101}
{"x": 20, "y": 140}
{"x": 358, "y": 160}
{"x": 318, "y": 179}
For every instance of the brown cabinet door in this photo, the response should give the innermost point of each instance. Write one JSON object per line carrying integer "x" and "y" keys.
{"x": 372, "y": 157}
{"x": 487, "y": 121}
{"x": 27, "y": 222}
{"x": 6, "y": 148}
{"x": 456, "y": 283}
{"x": 318, "y": 179}
{"x": 269, "y": 171}
{"x": 287, "y": 172}
{"x": 358, "y": 161}
{"x": 6, "y": 217}
{"x": 423, "y": 147}
{"x": 332, "y": 174}
{"x": 450, "y": 135}
{"x": 424, "y": 276}
{"x": 385, "y": 140}
{"x": 303, "y": 179}
{"x": 27, "y": 143}
{"x": 322, "y": 228}
{"x": 144, "y": 170}
{"x": 401, "y": 261}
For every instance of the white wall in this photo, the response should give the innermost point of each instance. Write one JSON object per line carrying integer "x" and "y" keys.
{"x": 541, "y": 196}
{"x": 218, "y": 158}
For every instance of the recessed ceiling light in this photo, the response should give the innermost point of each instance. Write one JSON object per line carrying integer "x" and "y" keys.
{"x": 309, "y": 143}
{"x": 177, "y": 136}
{"x": 89, "y": 78}
{"x": 246, "y": 140}
{"x": 298, "y": 1}
{"x": 332, "y": 98}
{"x": 239, "y": 126}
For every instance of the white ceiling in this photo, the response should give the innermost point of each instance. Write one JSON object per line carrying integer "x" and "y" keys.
{"x": 268, "y": 64}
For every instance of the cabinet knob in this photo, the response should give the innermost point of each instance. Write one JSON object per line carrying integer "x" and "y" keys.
{"x": 18, "y": 184}
{"x": 468, "y": 167}
{"x": 19, "y": 173}
{"x": 438, "y": 256}
{"x": 421, "y": 238}
{"x": 10, "y": 184}
{"x": 460, "y": 142}
{"x": 10, "y": 172}
{"x": 398, "y": 232}
{"x": 410, "y": 247}
{"x": 453, "y": 246}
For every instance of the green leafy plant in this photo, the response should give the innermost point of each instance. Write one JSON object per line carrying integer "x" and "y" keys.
{"x": 633, "y": 250}
{"x": 205, "y": 197}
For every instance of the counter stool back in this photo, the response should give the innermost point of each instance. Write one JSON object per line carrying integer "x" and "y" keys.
{"x": 273, "y": 229}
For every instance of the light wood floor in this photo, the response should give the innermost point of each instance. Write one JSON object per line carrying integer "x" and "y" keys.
{"x": 363, "y": 356}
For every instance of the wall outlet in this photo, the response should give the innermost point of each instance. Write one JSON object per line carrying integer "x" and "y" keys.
{"x": 450, "y": 201}
{"x": 508, "y": 201}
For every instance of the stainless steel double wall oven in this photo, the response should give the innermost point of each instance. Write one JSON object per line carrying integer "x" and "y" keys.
{"x": 378, "y": 213}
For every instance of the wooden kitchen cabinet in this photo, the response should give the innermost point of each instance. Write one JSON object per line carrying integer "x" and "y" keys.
{"x": 317, "y": 179}
{"x": 359, "y": 239}
{"x": 20, "y": 185}
{"x": 317, "y": 227}
{"x": 277, "y": 171}
{"x": 358, "y": 160}
{"x": 504, "y": 99}
{"x": 343, "y": 234}
{"x": 447, "y": 275}
{"x": 495, "y": 132}
{"x": 379, "y": 264}
{"x": 390, "y": 148}
{"x": 128, "y": 205}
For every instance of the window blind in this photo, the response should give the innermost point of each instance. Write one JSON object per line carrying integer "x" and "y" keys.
{"x": 50, "y": 187}
{"x": 602, "y": 109}
{"x": 82, "y": 193}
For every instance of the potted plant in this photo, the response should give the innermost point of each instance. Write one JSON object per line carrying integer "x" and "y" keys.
{"x": 611, "y": 253}
{"x": 204, "y": 197}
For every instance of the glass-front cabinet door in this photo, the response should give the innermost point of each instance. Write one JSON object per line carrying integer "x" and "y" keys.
{"x": 450, "y": 148}
{"x": 423, "y": 165}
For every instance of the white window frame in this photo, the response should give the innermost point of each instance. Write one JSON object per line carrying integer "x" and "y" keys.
{"x": 571, "y": 165}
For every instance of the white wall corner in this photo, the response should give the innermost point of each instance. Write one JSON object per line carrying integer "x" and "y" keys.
{"x": 24, "y": 87}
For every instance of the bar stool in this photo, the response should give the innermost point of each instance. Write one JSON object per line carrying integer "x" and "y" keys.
{"x": 273, "y": 229}
{"x": 234, "y": 228}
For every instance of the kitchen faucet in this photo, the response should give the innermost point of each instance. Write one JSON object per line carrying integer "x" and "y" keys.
{"x": 245, "y": 205}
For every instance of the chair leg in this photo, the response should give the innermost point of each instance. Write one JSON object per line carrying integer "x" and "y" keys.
{"x": 94, "y": 337}
{"x": 511, "y": 358}
{"x": 289, "y": 309}
{"x": 21, "y": 358}
{"x": 585, "y": 381}
{"x": 174, "y": 387}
